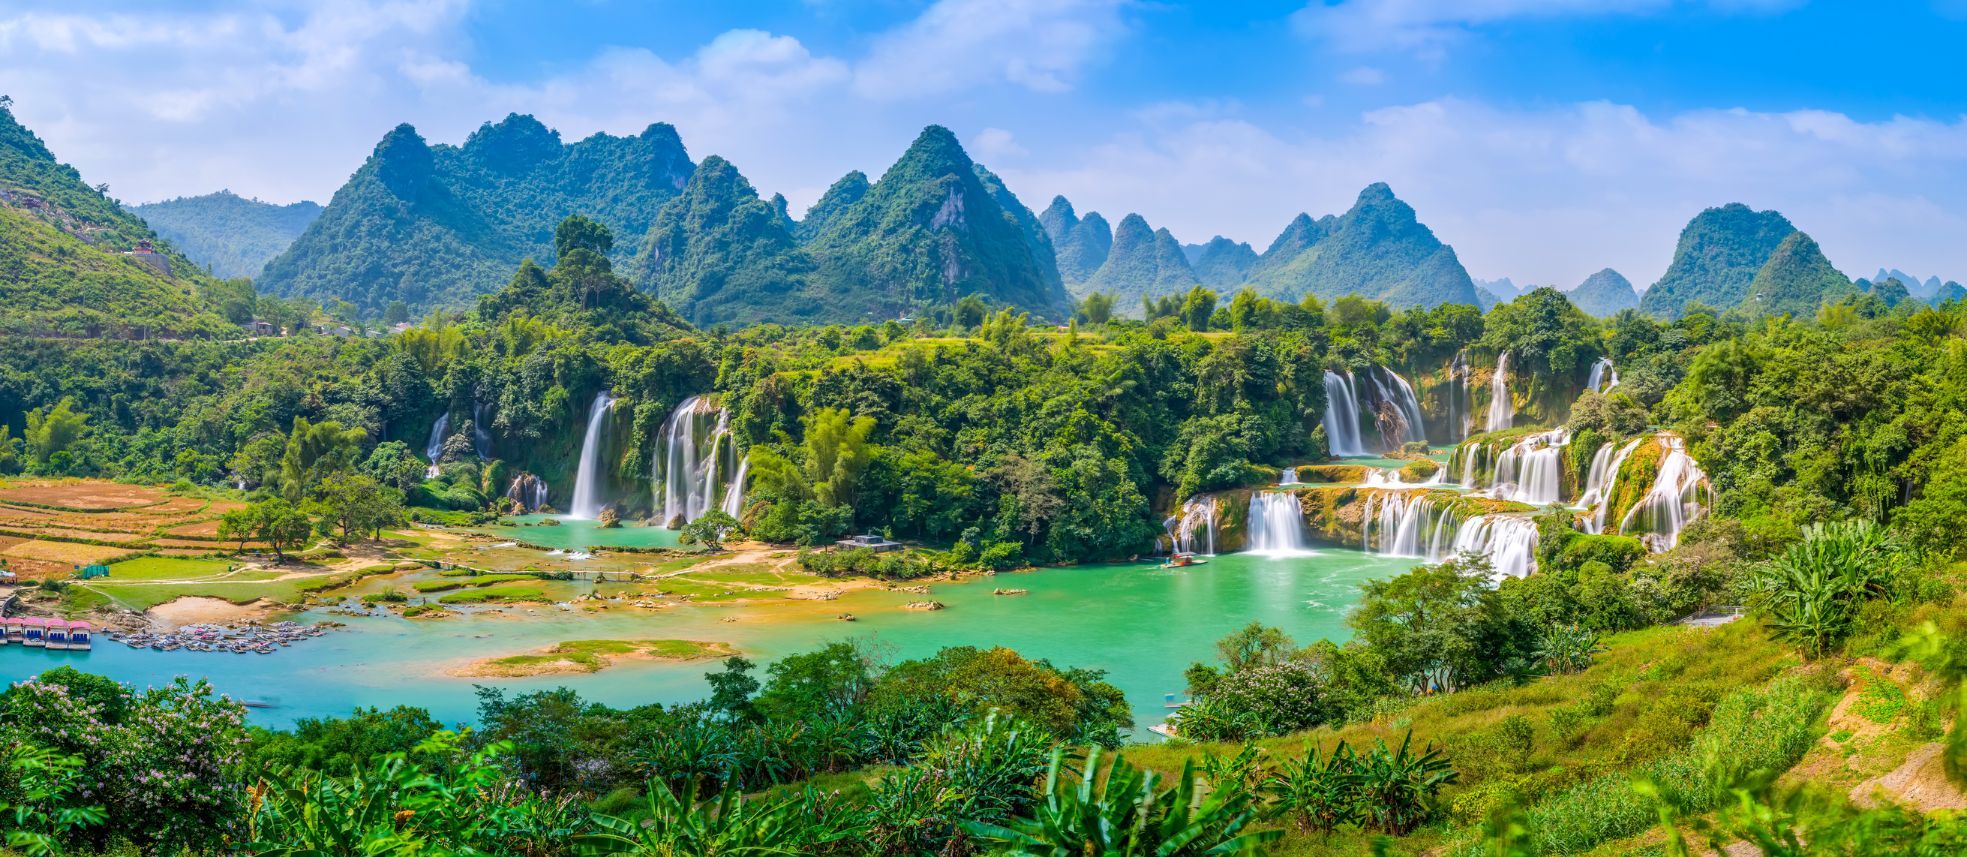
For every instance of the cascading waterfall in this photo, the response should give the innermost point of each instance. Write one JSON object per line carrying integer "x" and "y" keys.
{"x": 528, "y": 491}
{"x": 1402, "y": 395}
{"x": 481, "y": 437}
{"x": 1410, "y": 525}
{"x": 1288, "y": 477}
{"x": 734, "y": 494}
{"x": 1194, "y": 530}
{"x": 1510, "y": 543}
{"x": 694, "y": 449}
{"x": 1342, "y": 416}
{"x": 587, "y": 505}
{"x": 1502, "y": 411}
{"x": 1600, "y": 500}
{"x": 1595, "y": 480}
{"x": 1276, "y": 525}
{"x": 1457, "y": 396}
{"x": 1541, "y": 482}
{"x": 1602, "y": 372}
{"x": 1471, "y": 459}
{"x": 1673, "y": 501}
{"x": 434, "y": 448}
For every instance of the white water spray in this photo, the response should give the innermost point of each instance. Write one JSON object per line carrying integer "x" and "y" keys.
{"x": 586, "y": 505}
{"x": 1277, "y": 526}
{"x": 434, "y": 448}
{"x": 1502, "y": 411}
{"x": 1342, "y": 416}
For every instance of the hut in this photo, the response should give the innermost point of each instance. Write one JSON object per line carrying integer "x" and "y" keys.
{"x": 56, "y": 631}
{"x": 35, "y": 631}
{"x": 15, "y": 630}
{"x": 79, "y": 634}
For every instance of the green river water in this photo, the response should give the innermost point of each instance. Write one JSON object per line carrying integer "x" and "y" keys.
{"x": 1141, "y": 624}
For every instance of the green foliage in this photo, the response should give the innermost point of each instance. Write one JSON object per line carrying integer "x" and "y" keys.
{"x": 1815, "y": 590}
{"x": 1604, "y": 294}
{"x": 52, "y": 434}
{"x": 229, "y": 235}
{"x": 1377, "y": 249}
{"x": 1126, "y": 813}
{"x": 710, "y": 530}
{"x": 1142, "y": 263}
{"x": 1719, "y": 253}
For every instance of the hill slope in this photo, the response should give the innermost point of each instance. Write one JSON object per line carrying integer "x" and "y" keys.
{"x": 718, "y": 253}
{"x": 440, "y": 225}
{"x": 1796, "y": 280}
{"x": 1144, "y": 263}
{"x": 1377, "y": 249}
{"x": 1222, "y": 264}
{"x": 931, "y": 231}
{"x": 1604, "y": 294}
{"x": 1080, "y": 245}
{"x": 229, "y": 235}
{"x": 1716, "y": 259}
{"x": 67, "y": 265}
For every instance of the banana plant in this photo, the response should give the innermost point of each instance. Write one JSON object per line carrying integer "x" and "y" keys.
{"x": 50, "y": 809}
{"x": 1127, "y": 814}
{"x": 1396, "y": 788}
{"x": 726, "y": 825}
{"x": 1319, "y": 794}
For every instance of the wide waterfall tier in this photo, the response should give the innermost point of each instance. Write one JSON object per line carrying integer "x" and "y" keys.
{"x": 1193, "y": 530}
{"x": 1502, "y": 411}
{"x": 695, "y": 456}
{"x": 433, "y": 449}
{"x": 587, "y": 500}
{"x": 1408, "y": 524}
{"x": 1604, "y": 376}
{"x": 1276, "y": 526}
{"x": 1528, "y": 470}
{"x": 1384, "y": 399}
{"x": 1507, "y": 541}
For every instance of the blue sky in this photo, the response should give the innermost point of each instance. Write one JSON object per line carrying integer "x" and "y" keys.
{"x": 1544, "y": 139}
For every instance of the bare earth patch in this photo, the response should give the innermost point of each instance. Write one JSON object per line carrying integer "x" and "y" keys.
{"x": 197, "y": 610}
{"x": 587, "y": 656}
{"x": 1921, "y": 783}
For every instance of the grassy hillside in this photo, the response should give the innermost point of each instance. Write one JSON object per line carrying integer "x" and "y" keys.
{"x": 53, "y": 283}
{"x": 227, "y": 234}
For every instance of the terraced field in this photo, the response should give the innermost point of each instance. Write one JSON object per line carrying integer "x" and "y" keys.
{"x": 50, "y": 527}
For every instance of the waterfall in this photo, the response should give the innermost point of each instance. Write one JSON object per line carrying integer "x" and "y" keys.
{"x": 1288, "y": 477}
{"x": 1599, "y": 371}
{"x": 1510, "y": 543}
{"x": 1276, "y": 525}
{"x": 1530, "y": 470}
{"x": 1601, "y": 499}
{"x": 528, "y": 491}
{"x": 1472, "y": 458}
{"x": 734, "y": 494}
{"x": 1197, "y": 518}
{"x": 587, "y": 504}
{"x": 1595, "y": 480}
{"x": 1674, "y": 499}
{"x": 481, "y": 437}
{"x": 434, "y": 448}
{"x": 1457, "y": 396}
{"x": 1502, "y": 411}
{"x": 1402, "y": 395}
{"x": 695, "y": 441}
{"x": 1341, "y": 416}
{"x": 1410, "y": 525}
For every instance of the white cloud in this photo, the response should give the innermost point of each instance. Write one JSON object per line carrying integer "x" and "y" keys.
{"x": 995, "y": 144}
{"x": 1364, "y": 75}
{"x": 1037, "y": 44}
{"x": 1549, "y": 196}
{"x": 1428, "y": 27}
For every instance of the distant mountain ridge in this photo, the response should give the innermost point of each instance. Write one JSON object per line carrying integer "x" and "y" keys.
{"x": 231, "y": 236}
{"x": 1604, "y": 294}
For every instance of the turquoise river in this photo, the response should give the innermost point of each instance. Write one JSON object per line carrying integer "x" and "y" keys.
{"x": 1140, "y": 623}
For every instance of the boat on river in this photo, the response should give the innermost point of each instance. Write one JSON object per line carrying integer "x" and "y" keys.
{"x": 1183, "y": 560}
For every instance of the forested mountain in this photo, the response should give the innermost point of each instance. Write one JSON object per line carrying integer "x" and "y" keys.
{"x": 438, "y": 225}
{"x": 845, "y": 192}
{"x": 932, "y": 230}
{"x": 1796, "y": 279}
{"x": 1604, "y": 294}
{"x": 1377, "y": 249}
{"x": 1949, "y": 291}
{"x": 718, "y": 253}
{"x": 1922, "y": 289}
{"x": 1144, "y": 263}
{"x": 1719, "y": 254}
{"x": 229, "y": 235}
{"x": 1221, "y": 264}
{"x": 1080, "y": 245}
{"x": 74, "y": 263}
{"x": 1504, "y": 289}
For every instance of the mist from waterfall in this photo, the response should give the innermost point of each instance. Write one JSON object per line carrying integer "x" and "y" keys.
{"x": 433, "y": 449}
{"x": 1502, "y": 411}
{"x": 1602, "y": 373}
{"x": 1276, "y": 527}
{"x": 587, "y": 503}
{"x": 1342, "y": 416}
{"x": 1194, "y": 529}
{"x": 1672, "y": 502}
{"x": 693, "y": 450}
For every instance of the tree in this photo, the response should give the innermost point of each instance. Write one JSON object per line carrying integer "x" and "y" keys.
{"x": 356, "y": 504}
{"x": 709, "y": 530}
{"x": 1816, "y": 588}
{"x": 1096, "y": 308}
{"x": 393, "y": 464}
{"x": 243, "y": 524}
{"x": 9, "y": 449}
{"x": 52, "y": 432}
{"x": 283, "y": 526}
{"x": 314, "y": 451}
{"x": 837, "y": 452}
{"x": 1197, "y": 306}
{"x": 971, "y": 311}
{"x": 1437, "y": 626}
{"x": 830, "y": 682}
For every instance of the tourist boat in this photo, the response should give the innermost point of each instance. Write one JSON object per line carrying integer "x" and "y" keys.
{"x": 1183, "y": 560}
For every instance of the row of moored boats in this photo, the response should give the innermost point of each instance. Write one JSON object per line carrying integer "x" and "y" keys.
{"x": 238, "y": 639}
